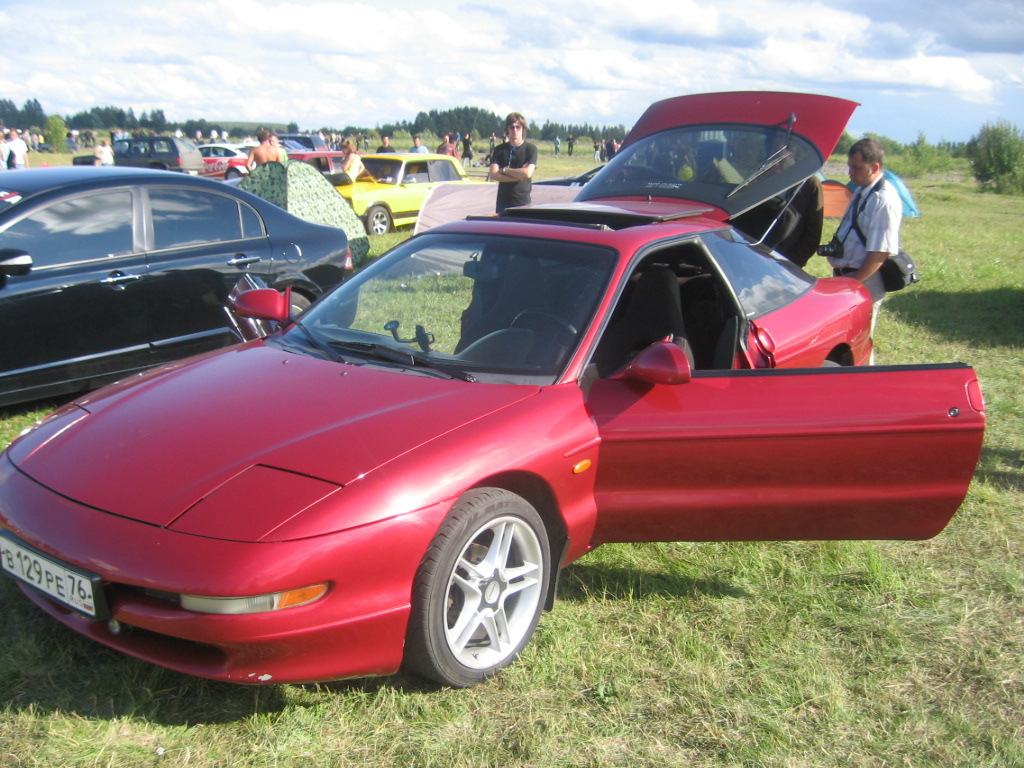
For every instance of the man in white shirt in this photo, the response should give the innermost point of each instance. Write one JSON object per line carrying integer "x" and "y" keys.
{"x": 870, "y": 228}
{"x": 18, "y": 151}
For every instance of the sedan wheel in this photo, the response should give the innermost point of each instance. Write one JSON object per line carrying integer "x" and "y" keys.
{"x": 300, "y": 303}
{"x": 480, "y": 589}
{"x": 378, "y": 220}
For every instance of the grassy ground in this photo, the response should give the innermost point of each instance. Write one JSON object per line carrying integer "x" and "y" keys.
{"x": 787, "y": 655}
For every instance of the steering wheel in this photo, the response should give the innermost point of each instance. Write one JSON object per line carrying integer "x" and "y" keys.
{"x": 547, "y": 324}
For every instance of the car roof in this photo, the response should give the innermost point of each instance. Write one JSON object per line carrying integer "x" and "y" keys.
{"x": 39, "y": 179}
{"x": 406, "y": 156}
{"x": 18, "y": 186}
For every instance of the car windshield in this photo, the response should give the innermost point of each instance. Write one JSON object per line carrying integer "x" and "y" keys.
{"x": 482, "y": 307}
{"x": 384, "y": 171}
{"x": 733, "y": 167}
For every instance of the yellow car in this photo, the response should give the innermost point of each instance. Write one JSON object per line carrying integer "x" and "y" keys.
{"x": 393, "y": 189}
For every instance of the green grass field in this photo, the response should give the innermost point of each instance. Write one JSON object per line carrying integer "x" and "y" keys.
{"x": 789, "y": 655}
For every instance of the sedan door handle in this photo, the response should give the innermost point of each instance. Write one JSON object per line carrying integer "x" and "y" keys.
{"x": 241, "y": 260}
{"x": 118, "y": 280}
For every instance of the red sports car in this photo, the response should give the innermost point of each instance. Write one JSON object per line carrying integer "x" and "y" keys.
{"x": 477, "y": 410}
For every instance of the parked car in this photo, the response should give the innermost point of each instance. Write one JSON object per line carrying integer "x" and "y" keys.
{"x": 327, "y": 161}
{"x": 224, "y": 161}
{"x": 166, "y": 153}
{"x": 306, "y": 140}
{"x": 108, "y": 271}
{"x": 393, "y": 192}
{"x": 477, "y": 409}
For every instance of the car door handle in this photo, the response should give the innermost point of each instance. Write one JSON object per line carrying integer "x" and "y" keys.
{"x": 118, "y": 280}
{"x": 241, "y": 260}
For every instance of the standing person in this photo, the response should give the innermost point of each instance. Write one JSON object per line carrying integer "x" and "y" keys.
{"x": 5, "y": 151}
{"x": 869, "y": 231}
{"x": 265, "y": 152}
{"x": 512, "y": 165}
{"x": 571, "y": 142}
{"x": 275, "y": 142}
{"x": 467, "y": 150}
{"x": 418, "y": 147}
{"x": 18, "y": 157}
{"x": 446, "y": 147}
{"x": 353, "y": 163}
{"x": 558, "y": 146}
{"x": 385, "y": 145}
{"x": 103, "y": 153}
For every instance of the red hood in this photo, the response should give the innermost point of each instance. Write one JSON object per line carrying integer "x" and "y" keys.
{"x": 152, "y": 448}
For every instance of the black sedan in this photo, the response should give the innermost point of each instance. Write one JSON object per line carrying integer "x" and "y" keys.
{"x": 109, "y": 271}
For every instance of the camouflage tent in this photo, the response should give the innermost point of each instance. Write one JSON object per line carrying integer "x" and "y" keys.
{"x": 303, "y": 191}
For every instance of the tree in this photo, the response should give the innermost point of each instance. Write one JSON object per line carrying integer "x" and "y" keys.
{"x": 32, "y": 114}
{"x": 997, "y": 156}
{"x": 55, "y": 131}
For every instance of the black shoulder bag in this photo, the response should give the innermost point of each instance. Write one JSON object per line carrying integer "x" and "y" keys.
{"x": 898, "y": 271}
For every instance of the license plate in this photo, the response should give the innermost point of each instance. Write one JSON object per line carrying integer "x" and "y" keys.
{"x": 75, "y": 588}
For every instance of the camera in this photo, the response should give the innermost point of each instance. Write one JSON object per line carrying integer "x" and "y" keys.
{"x": 833, "y": 249}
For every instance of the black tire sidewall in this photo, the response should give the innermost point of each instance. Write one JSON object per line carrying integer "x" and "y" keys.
{"x": 372, "y": 213}
{"x": 427, "y": 651}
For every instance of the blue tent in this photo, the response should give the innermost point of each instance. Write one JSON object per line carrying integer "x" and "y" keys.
{"x": 910, "y": 209}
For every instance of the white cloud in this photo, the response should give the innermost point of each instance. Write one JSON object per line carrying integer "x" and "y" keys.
{"x": 337, "y": 64}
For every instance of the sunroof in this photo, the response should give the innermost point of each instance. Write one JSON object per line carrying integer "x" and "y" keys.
{"x": 605, "y": 216}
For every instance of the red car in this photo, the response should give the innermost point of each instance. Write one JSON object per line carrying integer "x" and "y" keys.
{"x": 478, "y": 409}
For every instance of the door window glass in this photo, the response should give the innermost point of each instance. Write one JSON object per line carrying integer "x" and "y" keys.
{"x": 186, "y": 217}
{"x": 763, "y": 280}
{"x": 80, "y": 229}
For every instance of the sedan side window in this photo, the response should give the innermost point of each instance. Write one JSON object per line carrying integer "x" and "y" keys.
{"x": 81, "y": 229}
{"x": 184, "y": 217}
{"x": 443, "y": 170}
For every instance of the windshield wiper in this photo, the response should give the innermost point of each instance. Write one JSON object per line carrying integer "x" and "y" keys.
{"x": 384, "y": 352}
{"x": 780, "y": 154}
{"x": 770, "y": 163}
{"x": 316, "y": 343}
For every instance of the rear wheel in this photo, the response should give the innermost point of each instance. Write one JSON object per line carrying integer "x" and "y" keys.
{"x": 232, "y": 173}
{"x": 480, "y": 589}
{"x": 378, "y": 220}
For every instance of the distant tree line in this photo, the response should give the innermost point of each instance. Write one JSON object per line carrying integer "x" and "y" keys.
{"x": 996, "y": 153}
{"x": 479, "y": 122}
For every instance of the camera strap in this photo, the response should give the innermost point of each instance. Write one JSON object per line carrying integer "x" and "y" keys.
{"x": 861, "y": 205}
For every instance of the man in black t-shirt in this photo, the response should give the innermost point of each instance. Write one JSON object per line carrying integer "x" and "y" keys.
{"x": 512, "y": 165}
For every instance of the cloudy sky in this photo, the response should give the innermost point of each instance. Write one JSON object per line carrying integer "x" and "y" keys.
{"x": 941, "y": 67}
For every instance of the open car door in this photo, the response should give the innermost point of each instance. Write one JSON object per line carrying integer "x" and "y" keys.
{"x": 831, "y": 453}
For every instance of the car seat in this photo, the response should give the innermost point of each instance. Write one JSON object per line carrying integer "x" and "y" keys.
{"x": 653, "y": 312}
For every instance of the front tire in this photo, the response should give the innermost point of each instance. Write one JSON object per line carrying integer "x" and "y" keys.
{"x": 378, "y": 220}
{"x": 479, "y": 591}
